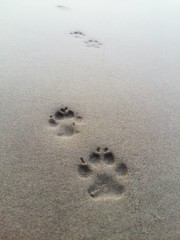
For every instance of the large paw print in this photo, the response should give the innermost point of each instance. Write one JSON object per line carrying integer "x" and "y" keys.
{"x": 65, "y": 122}
{"x": 93, "y": 43}
{"x": 105, "y": 174}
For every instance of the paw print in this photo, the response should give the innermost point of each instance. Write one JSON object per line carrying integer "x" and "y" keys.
{"x": 62, "y": 7}
{"x": 64, "y": 121}
{"x": 105, "y": 174}
{"x": 89, "y": 43}
{"x": 93, "y": 43}
{"x": 77, "y": 34}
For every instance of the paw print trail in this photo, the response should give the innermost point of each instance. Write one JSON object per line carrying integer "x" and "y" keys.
{"x": 106, "y": 178}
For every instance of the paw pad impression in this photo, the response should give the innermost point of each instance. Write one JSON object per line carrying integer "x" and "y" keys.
{"x": 77, "y": 34}
{"x": 65, "y": 120}
{"x": 105, "y": 179}
{"x": 93, "y": 43}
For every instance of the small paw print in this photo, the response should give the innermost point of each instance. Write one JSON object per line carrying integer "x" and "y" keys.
{"x": 77, "y": 34}
{"x": 93, "y": 43}
{"x": 65, "y": 121}
{"x": 62, "y": 7}
{"x": 105, "y": 174}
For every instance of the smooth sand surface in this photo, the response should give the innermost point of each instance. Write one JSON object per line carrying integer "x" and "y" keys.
{"x": 126, "y": 87}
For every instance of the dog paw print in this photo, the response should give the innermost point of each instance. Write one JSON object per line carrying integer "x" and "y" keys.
{"x": 93, "y": 43}
{"x": 65, "y": 121}
{"x": 62, "y": 7}
{"x": 108, "y": 178}
{"x": 77, "y": 34}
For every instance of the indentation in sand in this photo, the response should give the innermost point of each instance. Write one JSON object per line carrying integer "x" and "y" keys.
{"x": 93, "y": 43}
{"x": 62, "y": 7}
{"x": 89, "y": 43}
{"x": 77, "y": 34}
{"x": 64, "y": 120}
{"x": 105, "y": 173}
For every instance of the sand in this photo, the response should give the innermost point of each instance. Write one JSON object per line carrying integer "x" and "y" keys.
{"x": 115, "y": 65}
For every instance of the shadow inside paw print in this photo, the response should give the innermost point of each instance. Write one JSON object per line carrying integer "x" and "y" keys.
{"x": 93, "y": 43}
{"x": 105, "y": 181}
{"x": 77, "y": 34}
{"x": 65, "y": 120}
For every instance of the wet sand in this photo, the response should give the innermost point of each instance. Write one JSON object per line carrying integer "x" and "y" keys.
{"x": 111, "y": 169}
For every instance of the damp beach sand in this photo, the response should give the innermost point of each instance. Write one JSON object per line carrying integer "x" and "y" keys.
{"x": 90, "y": 120}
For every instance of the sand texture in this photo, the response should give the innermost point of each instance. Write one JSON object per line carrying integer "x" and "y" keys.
{"x": 90, "y": 120}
